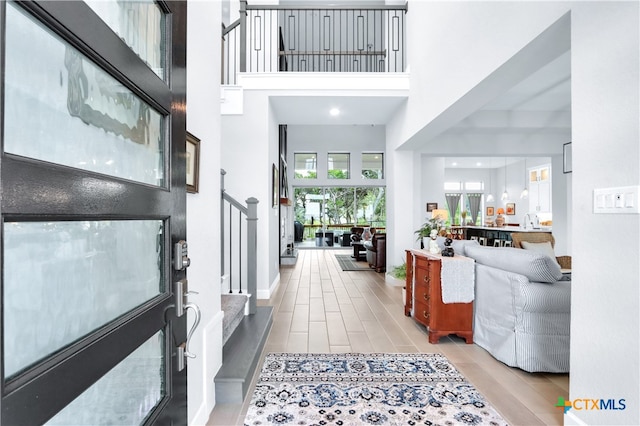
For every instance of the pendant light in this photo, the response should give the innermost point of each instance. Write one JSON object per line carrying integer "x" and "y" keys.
{"x": 490, "y": 196}
{"x": 505, "y": 194}
{"x": 525, "y": 192}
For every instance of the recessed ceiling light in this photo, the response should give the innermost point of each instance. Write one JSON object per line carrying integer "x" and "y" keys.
{"x": 334, "y": 111}
{"x": 454, "y": 164}
{"x": 478, "y": 164}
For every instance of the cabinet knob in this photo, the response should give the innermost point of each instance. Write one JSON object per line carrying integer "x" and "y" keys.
{"x": 426, "y": 297}
{"x": 427, "y": 279}
{"x": 425, "y": 314}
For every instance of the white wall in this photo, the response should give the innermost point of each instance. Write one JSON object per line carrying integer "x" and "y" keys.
{"x": 605, "y": 321}
{"x": 203, "y": 209}
{"x": 324, "y": 139}
{"x": 402, "y": 215}
{"x": 454, "y": 45}
{"x": 431, "y": 172}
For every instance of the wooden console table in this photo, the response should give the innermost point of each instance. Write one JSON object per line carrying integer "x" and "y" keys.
{"x": 424, "y": 299}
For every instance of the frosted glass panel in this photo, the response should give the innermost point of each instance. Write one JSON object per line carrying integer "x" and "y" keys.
{"x": 125, "y": 395}
{"x": 140, "y": 24}
{"x": 71, "y": 112}
{"x": 62, "y": 280}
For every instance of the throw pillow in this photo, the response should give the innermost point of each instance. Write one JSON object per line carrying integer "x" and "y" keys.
{"x": 544, "y": 248}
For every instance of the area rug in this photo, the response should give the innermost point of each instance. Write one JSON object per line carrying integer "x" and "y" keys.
{"x": 360, "y": 389}
{"x": 348, "y": 263}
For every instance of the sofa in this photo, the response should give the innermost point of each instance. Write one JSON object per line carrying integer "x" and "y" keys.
{"x": 522, "y": 308}
{"x": 376, "y": 249}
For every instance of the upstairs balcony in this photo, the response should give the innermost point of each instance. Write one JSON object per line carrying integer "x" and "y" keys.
{"x": 269, "y": 39}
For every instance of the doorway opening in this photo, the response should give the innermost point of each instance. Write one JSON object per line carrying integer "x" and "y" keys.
{"x": 324, "y": 215}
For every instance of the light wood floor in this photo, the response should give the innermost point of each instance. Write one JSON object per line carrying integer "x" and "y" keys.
{"x": 320, "y": 308}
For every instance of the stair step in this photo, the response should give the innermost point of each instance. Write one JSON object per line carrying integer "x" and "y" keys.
{"x": 289, "y": 259}
{"x": 240, "y": 356}
{"x": 233, "y": 307}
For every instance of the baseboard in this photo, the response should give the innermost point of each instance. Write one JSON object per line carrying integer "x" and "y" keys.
{"x": 211, "y": 358}
{"x": 201, "y": 417}
{"x": 213, "y": 353}
{"x": 266, "y": 294}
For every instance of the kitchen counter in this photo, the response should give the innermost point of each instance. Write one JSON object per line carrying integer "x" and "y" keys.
{"x": 507, "y": 228}
{"x": 489, "y": 234}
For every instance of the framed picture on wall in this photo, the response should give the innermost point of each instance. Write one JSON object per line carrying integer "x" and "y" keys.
{"x": 431, "y": 207}
{"x": 511, "y": 209}
{"x": 193, "y": 163}
{"x": 490, "y": 211}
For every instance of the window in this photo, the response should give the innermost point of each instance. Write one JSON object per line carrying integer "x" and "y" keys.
{"x": 473, "y": 186}
{"x": 467, "y": 202}
{"x": 337, "y": 165}
{"x": 372, "y": 165}
{"x": 452, "y": 186}
{"x": 305, "y": 165}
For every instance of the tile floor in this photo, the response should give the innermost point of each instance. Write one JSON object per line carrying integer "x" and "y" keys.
{"x": 320, "y": 308}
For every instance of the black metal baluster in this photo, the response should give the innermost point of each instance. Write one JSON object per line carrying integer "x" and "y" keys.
{"x": 240, "y": 251}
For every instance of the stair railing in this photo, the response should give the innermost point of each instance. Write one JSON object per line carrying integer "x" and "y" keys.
{"x": 239, "y": 244}
{"x": 274, "y": 38}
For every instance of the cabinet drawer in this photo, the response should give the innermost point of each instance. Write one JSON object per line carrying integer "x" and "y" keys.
{"x": 422, "y": 294}
{"x": 421, "y": 262}
{"x": 422, "y": 278}
{"x": 421, "y": 312}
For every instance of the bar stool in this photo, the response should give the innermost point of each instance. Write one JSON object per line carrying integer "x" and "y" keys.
{"x": 474, "y": 238}
{"x": 508, "y": 243}
{"x": 497, "y": 242}
{"x": 482, "y": 241}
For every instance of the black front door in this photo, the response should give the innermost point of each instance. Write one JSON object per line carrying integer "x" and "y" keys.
{"x": 92, "y": 175}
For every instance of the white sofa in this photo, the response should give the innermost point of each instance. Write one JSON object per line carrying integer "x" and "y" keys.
{"x": 522, "y": 308}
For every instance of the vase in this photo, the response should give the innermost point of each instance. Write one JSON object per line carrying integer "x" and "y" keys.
{"x": 500, "y": 220}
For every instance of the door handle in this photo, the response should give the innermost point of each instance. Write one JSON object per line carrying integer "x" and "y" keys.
{"x": 183, "y": 349}
{"x": 196, "y": 310}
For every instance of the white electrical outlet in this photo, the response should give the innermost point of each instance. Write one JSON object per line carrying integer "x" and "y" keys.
{"x": 618, "y": 200}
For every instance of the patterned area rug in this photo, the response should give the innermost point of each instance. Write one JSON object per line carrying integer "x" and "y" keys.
{"x": 361, "y": 389}
{"x": 348, "y": 263}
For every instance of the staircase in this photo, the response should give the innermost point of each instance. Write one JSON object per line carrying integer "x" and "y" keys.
{"x": 244, "y": 337}
{"x": 245, "y": 325}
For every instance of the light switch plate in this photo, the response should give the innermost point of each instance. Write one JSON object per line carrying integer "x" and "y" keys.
{"x": 617, "y": 200}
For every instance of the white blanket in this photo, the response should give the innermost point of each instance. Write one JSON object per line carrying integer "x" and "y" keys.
{"x": 457, "y": 277}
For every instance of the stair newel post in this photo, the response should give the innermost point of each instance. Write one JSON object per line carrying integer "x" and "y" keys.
{"x": 243, "y": 35}
{"x": 252, "y": 252}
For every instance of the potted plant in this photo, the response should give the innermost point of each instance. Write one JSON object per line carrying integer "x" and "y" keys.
{"x": 425, "y": 230}
{"x": 397, "y": 276}
{"x": 399, "y": 273}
